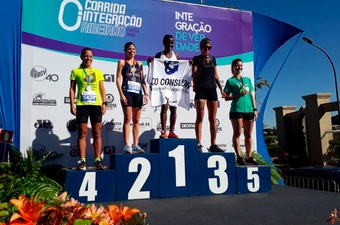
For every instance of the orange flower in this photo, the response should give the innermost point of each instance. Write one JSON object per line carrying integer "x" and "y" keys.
{"x": 333, "y": 218}
{"x": 30, "y": 212}
{"x": 121, "y": 213}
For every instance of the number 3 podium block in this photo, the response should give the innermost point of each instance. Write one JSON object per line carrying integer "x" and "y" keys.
{"x": 137, "y": 176}
{"x": 91, "y": 186}
{"x": 217, "y": 173}
{"x": 251, "y": 179}
{"x": 178, "y": 166}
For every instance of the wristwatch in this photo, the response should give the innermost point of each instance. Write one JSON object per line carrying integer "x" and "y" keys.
{"x": 104, "y": 103}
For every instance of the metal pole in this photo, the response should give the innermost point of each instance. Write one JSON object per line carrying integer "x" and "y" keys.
{"x": 309, "y": 41}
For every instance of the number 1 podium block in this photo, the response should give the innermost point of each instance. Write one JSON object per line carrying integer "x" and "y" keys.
{"x": 253, "y": 179}
{"x": 91, "y": 186}
{"x": 178, "y": 166}
{"x": 137, "y": 176}
{"x": 217, "y": 173}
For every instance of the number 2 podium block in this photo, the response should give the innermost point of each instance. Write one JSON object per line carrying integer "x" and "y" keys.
{"x": 178, "y": 170}
{"x": 137, "y": 176}
{"x": 91, "y": 186}
{"x": 252, "y": 179}
{"x": 217, "y": 173}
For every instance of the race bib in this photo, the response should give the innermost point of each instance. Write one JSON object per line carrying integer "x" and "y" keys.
{"x": 88, "y": 97}
{"x": 133, "y": 87}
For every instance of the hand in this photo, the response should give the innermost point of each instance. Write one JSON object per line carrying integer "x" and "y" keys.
{"x": 103, "y": 109}
{"x": 255, "y": 115}
{"x": 245, "y": 91}
{"x": 224, "y": 95}
{"x": 123, "y": 100}
{"x": 73, "y": 110}
{"x": 150, "y": 59}
{"x": 146, "y": 99}
{"x": 206, "y": 61}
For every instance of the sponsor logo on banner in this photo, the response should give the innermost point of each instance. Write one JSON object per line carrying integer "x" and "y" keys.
{"x": 170, "y": 67}
{"x": 143, "y": 145}
{"x": 218, "y": 125}
{"x": 67, "y": 100}
{"x": 111, "y": 126}
{"x": 109, "y": 77}
{"x": 74, "y": 151}
{"x": 144, "y": 123}
{"x": 39, "y": 73}
{"x": 187, "y": 125}
{"x": 40, "y": 150}
{"x": 159, "y": 126}
{"x": 43, "y": 124}
{"x": 110, "y": 102}
{"x": 99, "y": 18}
{"x": 40, "y": 99}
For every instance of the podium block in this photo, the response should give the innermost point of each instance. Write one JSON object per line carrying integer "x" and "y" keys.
{"x": 217, "y": 173}
{"x": 178, "y": 171}
{"x": 91, "y": 186}
{"x": 137, "y": 176}
{"x": 252, "y": 179}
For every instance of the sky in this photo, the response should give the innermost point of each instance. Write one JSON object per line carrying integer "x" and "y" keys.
{"x": 306, "y": 70}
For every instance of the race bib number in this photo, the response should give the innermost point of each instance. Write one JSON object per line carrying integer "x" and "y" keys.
{"x": 133, "y": 87}
{"x": 88, "y": 97}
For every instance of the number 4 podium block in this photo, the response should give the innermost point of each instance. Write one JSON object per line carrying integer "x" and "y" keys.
{"x": 91, "y": 186}
{"x": 178, "y": 166}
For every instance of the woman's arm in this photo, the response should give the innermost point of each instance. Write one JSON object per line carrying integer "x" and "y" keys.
{"x": 119, "y": 81}
{"x": 102, "y": 92}
{"x": 72, "y": 93}
{"x": 146, "y": 93}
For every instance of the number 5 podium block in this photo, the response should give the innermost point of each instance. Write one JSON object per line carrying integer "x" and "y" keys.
{"x": 178, "y": 166}
{"x": 252, "y": 179}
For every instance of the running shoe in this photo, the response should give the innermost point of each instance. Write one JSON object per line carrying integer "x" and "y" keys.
{"x": 136, "y": 149}
{"x": 163, "y": 134}
{"x": 250, "y": 160}
{"x": 98, "y": 165}
{"x": 81, "y": 165}
{"x": 240, "y": 161}
{"x": 127, "y": 149}
{"x": 215, "y": 148}
{"x": 172, "y": 135}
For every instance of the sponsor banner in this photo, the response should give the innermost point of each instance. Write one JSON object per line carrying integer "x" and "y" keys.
{"x": 52, "y": 42}
{"x": 107, "y": 25}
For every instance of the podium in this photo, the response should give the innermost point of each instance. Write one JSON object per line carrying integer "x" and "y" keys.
{"x": 173, "y": 168}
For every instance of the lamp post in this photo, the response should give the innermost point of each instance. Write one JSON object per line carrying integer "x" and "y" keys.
{"x": 309, "y": 41}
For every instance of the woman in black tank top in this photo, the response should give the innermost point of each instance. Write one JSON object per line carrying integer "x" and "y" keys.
{"x": 205, "y": 79}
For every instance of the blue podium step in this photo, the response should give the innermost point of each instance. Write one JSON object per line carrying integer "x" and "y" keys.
{"x": 173, "y": 168}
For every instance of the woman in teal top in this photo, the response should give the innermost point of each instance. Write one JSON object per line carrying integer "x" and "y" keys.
{"x": 243, "y": 112}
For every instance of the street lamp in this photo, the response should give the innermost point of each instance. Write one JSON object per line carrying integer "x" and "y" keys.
{"x": 309, "y": 41}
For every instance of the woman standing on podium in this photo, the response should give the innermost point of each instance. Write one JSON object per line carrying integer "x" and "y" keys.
{"x": 90, "y": 102}
{"x": 243, "y": 112}
{"x": 205, "y": 79}
{"x": 131, "y": 86}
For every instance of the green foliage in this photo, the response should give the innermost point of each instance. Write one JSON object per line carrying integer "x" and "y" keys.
{"x": 260, "y": 82}
{"x": 275, "y": 175}
{"x": 23, "y": 176}
{"x": 82, "y": 222}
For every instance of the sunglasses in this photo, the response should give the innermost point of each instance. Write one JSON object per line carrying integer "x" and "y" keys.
{"x": 207, "y": 47}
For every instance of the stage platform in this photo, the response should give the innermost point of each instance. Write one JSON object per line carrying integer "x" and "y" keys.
{"x": 281, "y": 206}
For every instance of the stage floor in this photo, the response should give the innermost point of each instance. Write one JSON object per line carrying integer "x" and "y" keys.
{"x": 282, "y": 206}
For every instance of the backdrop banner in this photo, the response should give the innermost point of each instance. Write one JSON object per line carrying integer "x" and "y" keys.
{"x": 53, "y": 34}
